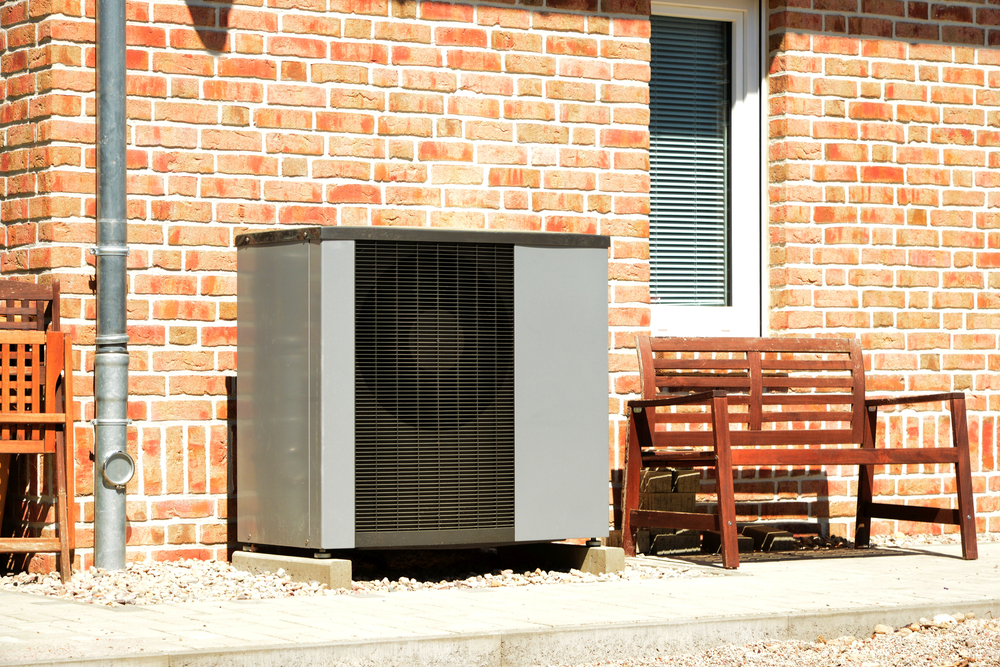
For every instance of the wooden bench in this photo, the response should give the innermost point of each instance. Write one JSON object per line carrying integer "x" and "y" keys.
{"x": 724, "y": 403}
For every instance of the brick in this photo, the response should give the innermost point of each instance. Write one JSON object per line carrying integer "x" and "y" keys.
{"x": 442, "y": 150}
{"x": 354, "y": 194}
{"x": 486, "y": 84}
{"x": 503, "y": 40}
{"x": 359, "y": 52}
{"x": 396, "y": 31}
{"x": 513, "y": 177}
{"x": 311, "y": 25}
{"x": 231, "y": 140}
{"x": 399, "y": 217}
{"x": 518, "y": 109}
{"x": 325, "y": 73}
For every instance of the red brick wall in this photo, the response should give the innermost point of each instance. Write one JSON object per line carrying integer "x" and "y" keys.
{"x": 884, "y": 138}
{"x": 882, "y": 126}
{"x": 264, "y": 113}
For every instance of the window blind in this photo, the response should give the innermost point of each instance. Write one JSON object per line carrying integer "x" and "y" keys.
{"x": 690, "y": 101}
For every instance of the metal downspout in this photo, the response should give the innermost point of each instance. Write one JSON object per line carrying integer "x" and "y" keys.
{"x": 111, "y": 462}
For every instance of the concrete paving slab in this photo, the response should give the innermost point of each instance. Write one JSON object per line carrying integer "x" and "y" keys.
{"x": 532, "y": 625}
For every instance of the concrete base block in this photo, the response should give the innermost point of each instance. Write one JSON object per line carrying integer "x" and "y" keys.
{"x": 333, "y": 572}
{"x": 595, "y": 560}
{"x": 599, "y": 560}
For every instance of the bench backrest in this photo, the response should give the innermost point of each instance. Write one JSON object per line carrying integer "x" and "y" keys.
{"x": 782, "y": 391}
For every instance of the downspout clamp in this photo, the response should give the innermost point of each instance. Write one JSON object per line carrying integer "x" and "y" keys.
{"x": 113, "y": 466}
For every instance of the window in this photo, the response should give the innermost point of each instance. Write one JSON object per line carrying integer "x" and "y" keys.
{"x": 705, "y": 169}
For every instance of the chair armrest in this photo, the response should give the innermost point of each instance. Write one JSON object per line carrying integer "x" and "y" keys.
{"x": 904, "y": 400}
{"x": 684, "y": 399}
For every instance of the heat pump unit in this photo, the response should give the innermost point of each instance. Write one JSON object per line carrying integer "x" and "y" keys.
{"x": 420, "y": 387}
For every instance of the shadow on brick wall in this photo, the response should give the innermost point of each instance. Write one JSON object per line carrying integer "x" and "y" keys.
{"x": 214, "y": 35}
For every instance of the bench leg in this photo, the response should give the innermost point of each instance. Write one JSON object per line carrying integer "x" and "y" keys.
{"x": 630, "y": 483}
{"x": 724, "y": 483}
{"x": 963, "y": 478}
{"x": 866, "y": 483}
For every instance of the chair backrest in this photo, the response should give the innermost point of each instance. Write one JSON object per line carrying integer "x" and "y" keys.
{"x": 782, "y": 391}
{"x": 29, "y": 306}
{"x": 27, "y": 384}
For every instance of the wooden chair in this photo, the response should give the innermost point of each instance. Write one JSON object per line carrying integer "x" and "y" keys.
{"x": 32, "y": 365}
{"x": 27, "y": 307}
{"x": 721, "y": 403}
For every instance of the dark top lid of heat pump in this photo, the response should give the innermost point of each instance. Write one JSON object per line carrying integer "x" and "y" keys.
{"x": 417, "y": 234}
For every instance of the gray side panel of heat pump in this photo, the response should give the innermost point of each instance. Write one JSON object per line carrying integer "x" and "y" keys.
{"x": 273, "y": 420}
{"x": 336, "y": 409}
{"x": 561, "y": 393}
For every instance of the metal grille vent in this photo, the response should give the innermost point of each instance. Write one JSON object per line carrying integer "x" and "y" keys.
{"x": 434, "y": 364}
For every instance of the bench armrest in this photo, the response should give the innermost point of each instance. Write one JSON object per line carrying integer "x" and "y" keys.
{"x": 904, "y": 400}
{"x": 683, "y": 399}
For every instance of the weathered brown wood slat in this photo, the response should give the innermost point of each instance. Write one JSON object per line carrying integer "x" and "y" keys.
{"x": 806, "y": 383}
{"x": 737, "y": 344}
{"x": 817, "y": 365}
{"x": 813, "y": 416}
{"x": 848, "y": 457}
{"x": 807, "y": 399}
{"x": 688, "y": 459}
{"x": 697, "y": 418}
{"x": 31, "y": 418}
{"x": 757, "y": 438}
{"x": 36, "y": 400}
{"x": 773, "y": 402}
{"x": 700, "y": 364}
{"x": 914, "y": 513}
{"x": 28, "y": 544}
{"x": 675, "y": 520}
{"x": 21, "y": 338}
{"x": 715, "y": 382}
{"x": 37, "y": 446}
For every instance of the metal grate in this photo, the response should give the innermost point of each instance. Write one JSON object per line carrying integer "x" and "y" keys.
{"x": 434, "y": 367}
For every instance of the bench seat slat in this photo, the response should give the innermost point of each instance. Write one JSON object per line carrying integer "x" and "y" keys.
{"x": 810, "y": 399}
{"x": 766, "y": 417}
{"x": 666, "y": 458}
{"x": 805, "y": 365}
{"x": 739, "y": 344}
{"x": 29, "y": 545}
{"x": 756, "y": 438}
{"x": 656, "y": 519}
{"x": 687, "y": 364}
{"x": 771, "y": 382}
{"x": 713, "y": 382}
{"x": 914, "y": 513}
{"x": 855, "y": 456}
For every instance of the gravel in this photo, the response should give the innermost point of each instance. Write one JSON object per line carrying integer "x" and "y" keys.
{"x": 944, "y": 641}
{"x": 196, "y": 580}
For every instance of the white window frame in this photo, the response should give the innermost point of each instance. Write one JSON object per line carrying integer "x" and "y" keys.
{"x": 745, "y": 317}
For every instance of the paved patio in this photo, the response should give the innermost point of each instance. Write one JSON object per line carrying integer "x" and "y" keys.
{"x": 773, "y": 599}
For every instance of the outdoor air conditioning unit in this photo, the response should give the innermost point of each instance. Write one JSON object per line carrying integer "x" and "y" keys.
{"x": 420, "y": 387}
